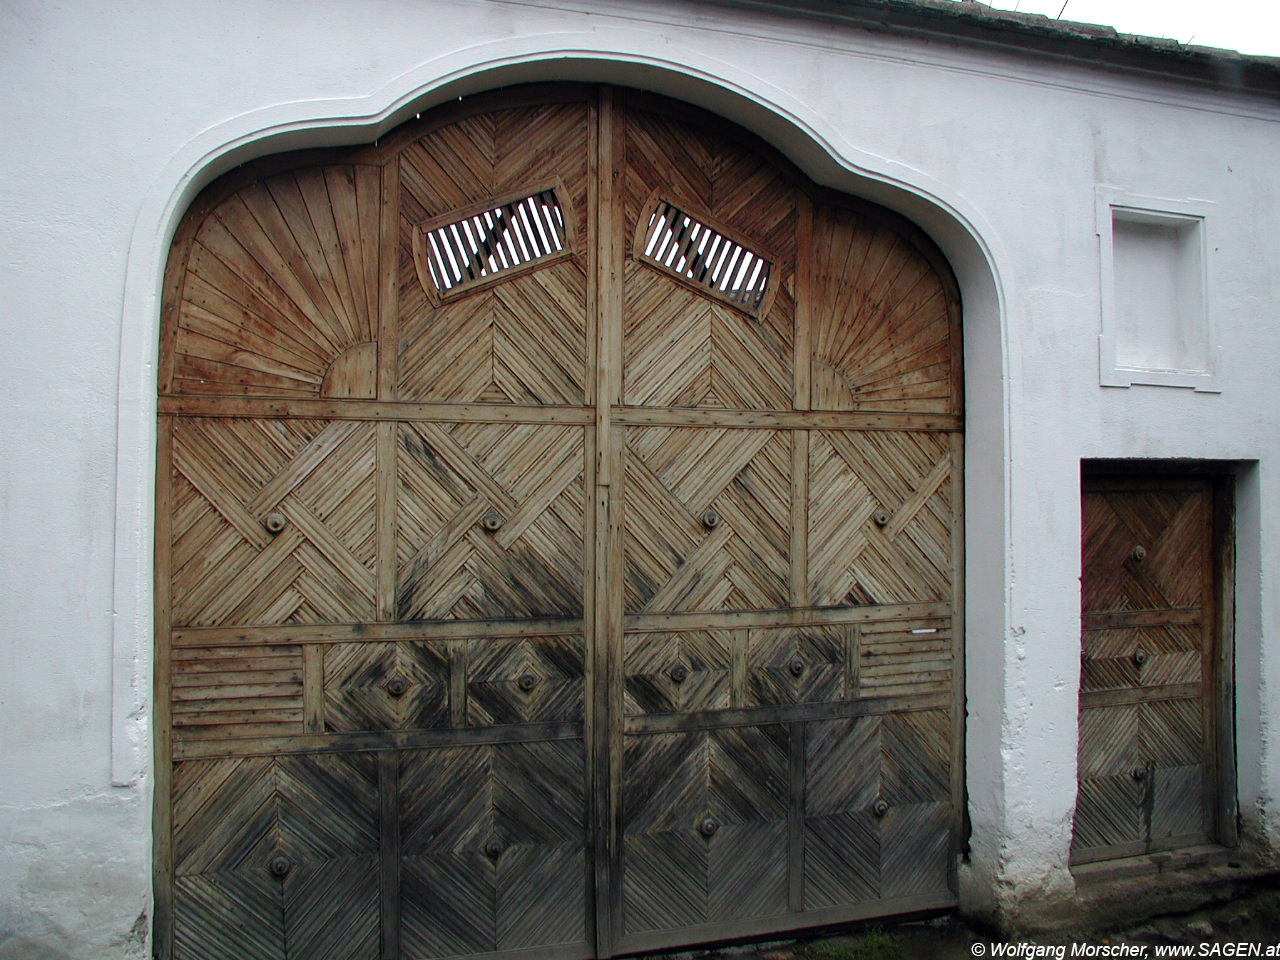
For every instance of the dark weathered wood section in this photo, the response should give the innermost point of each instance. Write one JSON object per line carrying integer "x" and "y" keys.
{"x": 573, "y": 610}
{"x": 1151, "y": 767}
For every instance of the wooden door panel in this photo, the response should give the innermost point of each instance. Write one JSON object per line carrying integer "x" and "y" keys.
{"x": 492, "y": 848}
{"x": 273, "y": 521}
{"x": 705, "y": 827}
{"x": 385, "y": 686}
{"x": 490, "y": 521}
{"x": 263, "y": 844}
{"x": 880, "y": 517}
{"x": 682, "y": 347}
{"x": 522, "y": 340}
{"x": 707, "y": 519}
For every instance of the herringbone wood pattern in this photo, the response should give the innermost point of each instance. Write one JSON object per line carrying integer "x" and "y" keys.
{"x": 385, "y": 504}
{"x": 1144, "y": 761}
{"x": 522, "y": 340}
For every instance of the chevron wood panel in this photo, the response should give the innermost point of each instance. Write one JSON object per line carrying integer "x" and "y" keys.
{"x": 525, "y": 680}
{"x": 884, "y": 336}
{"x": 1145, "y": 760}
{"x": 281, "y": 279}
{"x": 262, "y": 844}
{"x": 525, "y": 478}
{"x": 707, "y": 519}
{"x": 680, "y": 672}
{"x": 521, "y": 340}
{"x": 492, "y": 848}
{"x": 799, "y": 665}
{"x": 705, "y": 833}
{"x": 853, "y": 557}
{"x": 232, "y": 480}
{"x": 682, "y": 346}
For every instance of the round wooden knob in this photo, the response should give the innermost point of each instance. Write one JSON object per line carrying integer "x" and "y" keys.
{"x": 881, "y": 517}
{"x": 1139, "y": 656}
{"x": 279, "y": 866}
{"x": 527, "y": 682}
{"x": 397, "y": 686}
{"x": 708, "y": 827}
{"x": 796, "y": 666}
{"x": 274, "y": 522}
{"x": 880, "y": 808}
{"x": 493, "y": 521}
{"x": 678, "y": 673}
{"x": 1139, "y": 553}
{"x": 711, "y": 519}
{"x": 1139, "y": 773}
{"x": 493, "y": 848}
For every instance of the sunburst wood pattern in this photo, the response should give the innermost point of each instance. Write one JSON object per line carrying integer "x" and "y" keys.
{"x": 1145, "y": 755}
{"x": 280, "y": 279}
{"x": 412, "y": 535}
{"x": 883, "y": 330}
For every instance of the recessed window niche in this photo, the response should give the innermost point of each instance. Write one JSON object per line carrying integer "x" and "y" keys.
{"x": 1156, "y": 306}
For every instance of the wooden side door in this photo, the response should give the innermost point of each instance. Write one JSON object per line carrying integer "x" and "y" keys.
{"x": 1149, "y": 769}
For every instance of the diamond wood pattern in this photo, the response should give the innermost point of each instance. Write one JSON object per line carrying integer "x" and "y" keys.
{"x": 231, "y": 478}
{"x": 529, "y": 478}
{"x": 853, "y": 556}
{"x": 1146, "y": 753}
{"x": 575, "y": 607}
{"x": 263, "y": 845}
{"x": 707, "y": 519}
{"x": 492, "y": 848}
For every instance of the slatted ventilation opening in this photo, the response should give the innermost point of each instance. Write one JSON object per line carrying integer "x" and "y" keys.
{"x": 692, "y": 249}
{"x": 495, "y": 240}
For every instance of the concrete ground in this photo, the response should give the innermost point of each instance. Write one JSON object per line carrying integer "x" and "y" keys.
{"x": 1212, "y": 931}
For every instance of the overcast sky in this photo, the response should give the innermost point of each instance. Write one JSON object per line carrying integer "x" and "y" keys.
{"x": 1250, "y": 26}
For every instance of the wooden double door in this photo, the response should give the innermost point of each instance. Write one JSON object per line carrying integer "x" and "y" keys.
{"x": 558, "y": 548}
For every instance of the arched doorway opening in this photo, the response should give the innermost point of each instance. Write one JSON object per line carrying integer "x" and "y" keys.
{"x": 560, "y": 516}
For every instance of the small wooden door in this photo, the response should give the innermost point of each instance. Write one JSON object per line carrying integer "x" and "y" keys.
{"x": 559, "y": 551}
{"x": 1149, "y": 769}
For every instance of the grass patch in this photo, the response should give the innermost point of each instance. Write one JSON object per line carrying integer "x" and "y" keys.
{"x": 872, "y": 945}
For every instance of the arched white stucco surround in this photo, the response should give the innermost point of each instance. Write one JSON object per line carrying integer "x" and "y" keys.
{"x": 802, "y": 131}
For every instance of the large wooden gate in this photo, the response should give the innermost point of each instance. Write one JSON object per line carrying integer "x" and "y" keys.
{"x": 559, "y": 545}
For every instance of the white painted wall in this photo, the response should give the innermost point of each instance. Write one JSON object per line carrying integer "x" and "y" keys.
{"x": 115, "y": 114}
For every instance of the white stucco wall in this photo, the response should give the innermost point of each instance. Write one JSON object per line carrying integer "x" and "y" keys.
{"x": 115, "y": 114}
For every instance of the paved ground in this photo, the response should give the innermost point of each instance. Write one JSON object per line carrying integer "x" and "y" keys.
{"x": 1212, "y": 932}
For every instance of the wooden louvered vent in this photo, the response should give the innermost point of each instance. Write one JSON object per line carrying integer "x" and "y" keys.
{"x": 467, "y": 249}
{"x": 693, "y": 250}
